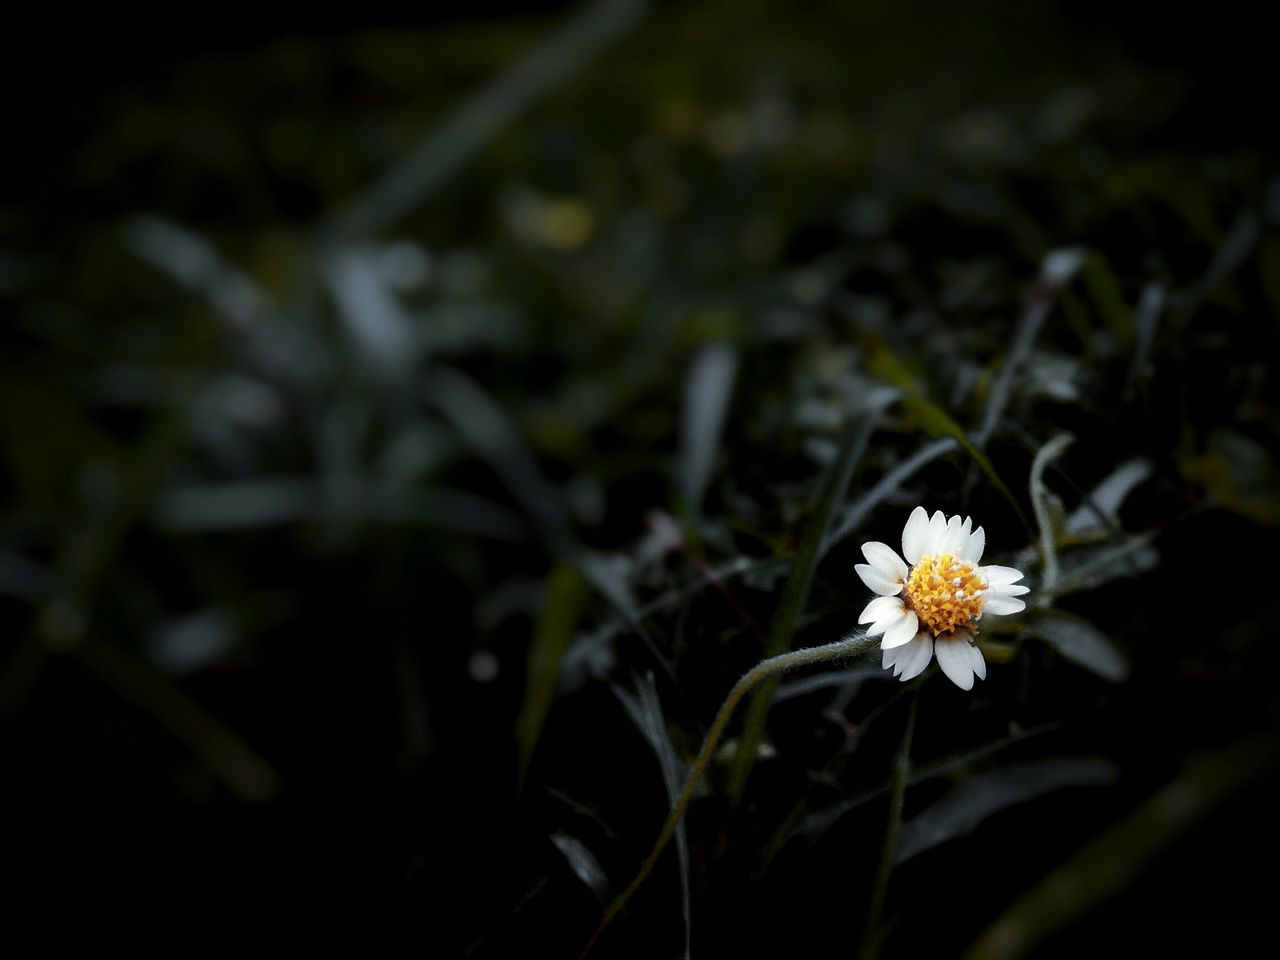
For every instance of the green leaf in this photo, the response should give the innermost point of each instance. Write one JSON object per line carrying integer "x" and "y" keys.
{"x": 566, "y": 594}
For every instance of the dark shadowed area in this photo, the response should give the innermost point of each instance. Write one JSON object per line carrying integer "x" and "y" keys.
{"x": 413, "y": 426}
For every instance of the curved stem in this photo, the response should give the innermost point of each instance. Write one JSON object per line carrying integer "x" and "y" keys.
{"x": 849, "y": 647}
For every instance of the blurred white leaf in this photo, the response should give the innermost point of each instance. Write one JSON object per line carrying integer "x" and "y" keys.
{"x": 192, "y": 261}
{"x": 583, "y": 863}
{"x": 708, "y": 389}
{"x": 186, "y": 644}
{"x": 375, "y": 320}
{"x": 1060, "y": 265}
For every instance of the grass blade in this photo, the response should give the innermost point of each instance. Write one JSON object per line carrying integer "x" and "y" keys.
{"x": 887, "y": 486}
{"x": 980, "y": 797}
{"x": 1105, "y": 500}
{"x": 646, "y": 714}
{"x": 707, "y": 392}
{"x": 489, "y": 431}
{"x": 566, "y": 594}
{"x": 1082, "y": 643}
{"x": 1057, "y": 269}
{"x": 445, "y": 150}
{"x": 583, "y": 863}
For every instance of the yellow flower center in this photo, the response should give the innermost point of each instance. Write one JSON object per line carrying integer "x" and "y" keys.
{"x": 945, "y": 592}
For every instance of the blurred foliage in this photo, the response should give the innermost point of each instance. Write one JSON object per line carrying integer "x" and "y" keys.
{"x": 300, "y": 522}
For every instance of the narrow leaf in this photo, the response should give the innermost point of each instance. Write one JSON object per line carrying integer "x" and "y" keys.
{"x": 1087, "y": 569}
{"x": 566, "y": 593}
{"x": 1146, "y": 320}
{"x": 817, "y": 824}
{"x": 708, "y": 389}
{"x": 976, "y": 799}
{"x": 447, "y": 148}
{"x": 583, "y": 863}
{"x": 486, "y": 427}
{"x": 1108, "y": 496}
{"x": 1080, "y": 642}
{"x": 886, "y": 487}
{"x": 646, "y": 713}
{"x": 1057, "y": 269}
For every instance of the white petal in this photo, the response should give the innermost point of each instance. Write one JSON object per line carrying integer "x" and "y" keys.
{"x": 936, "y": 533}
{"x": 901, "y": 632}
{"x": 955, "y": 660}
{"x": 1007, "y": 590}
{"x": 979, "y": 664}
{"x": 973, "y": 549}
{"x": 882, "y": 613}
{"x": 881, "y": 608}
{"x": 914, "y": 534}
{"x": 916, "y": 656}
{"x": 884, "y": 626}
{"x": 955, "y": 536}
{"x": 1001, "y": 604}
{"x": 877, "y": 581}
{"x": 892, "y": 655}
{"x": 996, "y": 574}
{"x": 885, "y": 559}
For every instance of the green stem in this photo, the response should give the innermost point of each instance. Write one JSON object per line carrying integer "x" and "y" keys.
{"x": 765, "y": 669}
{"x": 897, "y": 789}
{"x": 795, "y": 594}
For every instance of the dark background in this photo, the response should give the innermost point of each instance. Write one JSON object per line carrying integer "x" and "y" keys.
{"x": 369, "y": 667}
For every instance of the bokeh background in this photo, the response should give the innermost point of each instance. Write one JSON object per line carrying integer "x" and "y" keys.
{"x": 409, "y": 424}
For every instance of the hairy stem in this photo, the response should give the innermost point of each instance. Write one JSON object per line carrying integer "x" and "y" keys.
{"x": 795, "y": 594}
{"x": 849, "y": 647}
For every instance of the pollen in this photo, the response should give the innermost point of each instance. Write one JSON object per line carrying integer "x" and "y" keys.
{"x": 945, "y": 592}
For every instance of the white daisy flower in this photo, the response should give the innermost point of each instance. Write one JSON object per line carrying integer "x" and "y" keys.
{"x": 931, "y": 603}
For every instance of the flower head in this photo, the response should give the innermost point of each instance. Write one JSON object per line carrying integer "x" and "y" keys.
{"x": 931, "y": 603}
